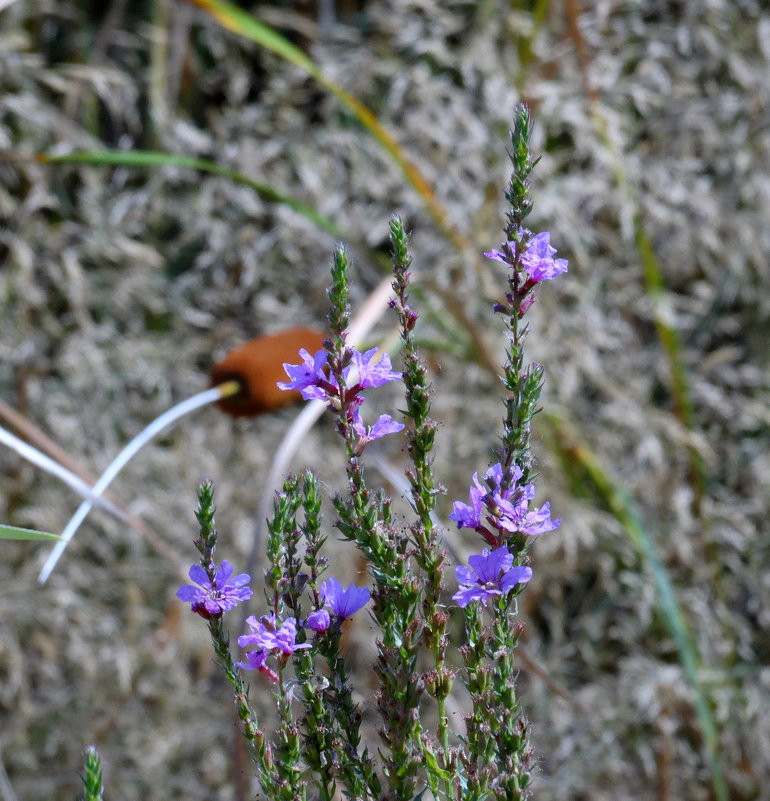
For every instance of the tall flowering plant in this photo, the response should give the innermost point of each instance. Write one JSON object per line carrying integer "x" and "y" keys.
{"x": 296, "y": 645}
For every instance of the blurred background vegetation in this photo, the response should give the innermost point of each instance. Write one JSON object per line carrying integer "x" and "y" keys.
{"x": 217, "y": 162}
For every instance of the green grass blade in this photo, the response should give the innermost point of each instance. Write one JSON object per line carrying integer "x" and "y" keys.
{"x": 576, "y": 453}
{"x": 655, "y": 287}
{"x": 154, "y": 158}
{"x": 14, "y": 533}
{"x": 669, "y": 340}
{"x": 244, "y": 24}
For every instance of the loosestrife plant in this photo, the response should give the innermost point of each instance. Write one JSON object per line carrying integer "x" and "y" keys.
{"x": 318, "y": 751}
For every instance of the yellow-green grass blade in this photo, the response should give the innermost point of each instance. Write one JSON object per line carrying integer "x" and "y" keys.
{"x": 244, "y": 24}
{"x": 583, "y": 465}
{"x": 154, "y": 158}
{"x": 669, "y": 340}
{"x": 14, "y": 533}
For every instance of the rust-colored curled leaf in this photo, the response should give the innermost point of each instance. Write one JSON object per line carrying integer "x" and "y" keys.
{"x": 257, "y": 366}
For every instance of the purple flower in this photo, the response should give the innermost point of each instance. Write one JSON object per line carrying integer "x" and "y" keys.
{"x": 504, "y": 255}
{"x": 311, "y": 378}
{"x": 495, "y": 513}
{"x": 384, "y": 425}
{"x": 266, "y": 635}
{"x": 318, "y": 620}
{"x": 373, "y": 374}
{"x": 257, "y": 660}
{"x": 489, "y": 574}
{"x": 537, "y": 259}
{"x": 343, "y": 603}
{"x": 268, "y": 638}
{"x": 212, "y": 599}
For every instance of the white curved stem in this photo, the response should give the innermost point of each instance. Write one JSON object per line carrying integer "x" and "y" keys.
{"x": 73, "y": 481}
{"x": 123, "y": 458}
{"x": 363, "y": 321}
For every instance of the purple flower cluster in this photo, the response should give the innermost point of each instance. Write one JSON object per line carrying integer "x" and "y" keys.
{"x": 267, "y": 638}
{"x": 497, "y": 513}
{"x": 490, "y": 573}
{"x": 538, "y": 259}
{"x": 314, "y": 381}
{"x": 211, "y": 598}
{"x": 537, "y": 264}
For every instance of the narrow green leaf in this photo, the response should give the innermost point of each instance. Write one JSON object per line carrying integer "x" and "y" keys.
{"x": 655, "y": 287}
{"x": 241, "y": 22}
{"x": 154, "y": 158}
{"x": 672, "y": 347}
{"x": 14, "y": 533}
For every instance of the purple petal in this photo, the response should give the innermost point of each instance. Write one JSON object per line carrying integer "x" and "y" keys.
{"x": 539, "y": 262}
{"x": 488, "y": 566}
{"x": 538, "y": 521}
{"x": 343, "y": 603}
{"x": 540, "y": 246}
{"x": 315, "y": 393}
{"x": 465, "y": 575}
{"x": 211, "y": 606}
{"x": 496, "y": 255}
{"x": 384, "y": 425}
{"x": 254, "y": 660}
{"x": 223, "y": 573}
{"x": 199, "y": 576}
{"x": 285, "y": 637}
{"x": 239, "y": 580}
{"x": 516, "y": 575}
{"x": 465, "y": 516}
{"x": 495, "y": 475}
{"x": 467, "y": 595}
{"x": 189, "y": 593}
{"x": 318, "y": 620}
{"x": 373, "y": 375}
{"x": 308, "y": 373}
{"x": 358, "y": 424}
{"x": 245, "y": 640}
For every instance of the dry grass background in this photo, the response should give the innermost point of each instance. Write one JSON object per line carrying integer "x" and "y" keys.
{"x": 119, "y": 287}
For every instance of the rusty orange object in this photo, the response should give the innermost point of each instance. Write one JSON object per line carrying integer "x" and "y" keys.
{"x": 257, "y": 366}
